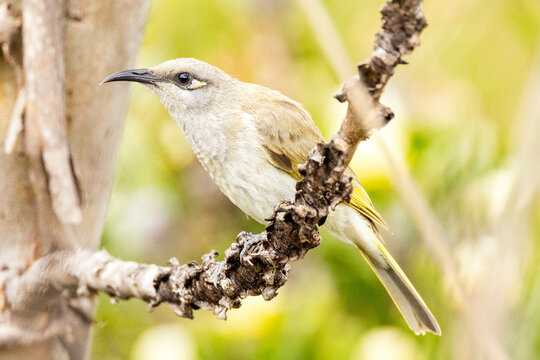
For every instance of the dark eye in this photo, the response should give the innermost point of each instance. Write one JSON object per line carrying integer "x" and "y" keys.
{"x": 184, "y": 78}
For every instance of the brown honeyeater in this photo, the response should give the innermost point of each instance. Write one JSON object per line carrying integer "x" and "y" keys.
{"x": 251, "y": 139}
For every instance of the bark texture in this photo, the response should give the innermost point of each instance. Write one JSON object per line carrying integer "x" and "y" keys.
{"x": 402, "y": 23}
{"x": 56, "y": 176}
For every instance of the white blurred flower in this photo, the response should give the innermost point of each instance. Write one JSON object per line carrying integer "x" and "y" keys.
{"x": 165, "y": 342}
{"x": 387, "y": 343}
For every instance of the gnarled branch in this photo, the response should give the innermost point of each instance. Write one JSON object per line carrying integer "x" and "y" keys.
{"x": 402, "y": 23}
{"x": 253, "y": 265}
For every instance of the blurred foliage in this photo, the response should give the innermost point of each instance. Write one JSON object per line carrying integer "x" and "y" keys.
{"x": 455, "y": 107}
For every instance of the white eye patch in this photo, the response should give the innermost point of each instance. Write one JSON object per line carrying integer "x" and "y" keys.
{"x": 196, "y": 84}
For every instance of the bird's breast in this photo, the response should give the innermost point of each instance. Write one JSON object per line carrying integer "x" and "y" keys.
{"x": 254, "y": 185}
{"x": 237, "y": 163}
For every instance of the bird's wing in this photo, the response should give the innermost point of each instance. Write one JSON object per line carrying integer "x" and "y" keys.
{"x": 361, "y": 202}
{"x": 289, "y": 134}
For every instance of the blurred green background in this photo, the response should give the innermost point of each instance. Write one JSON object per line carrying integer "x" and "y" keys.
{"x": 457, "y": 123}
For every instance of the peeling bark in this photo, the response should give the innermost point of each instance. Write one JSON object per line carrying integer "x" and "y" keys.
{"x": 74, "y": 142}
{"x": 46, "y": 138}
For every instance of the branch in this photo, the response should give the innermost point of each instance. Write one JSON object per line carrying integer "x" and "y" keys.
{"x": 361, "y": 106}
{"x": 79, "y": 271}
{"x": 253, "y": 265}
{"x": 257, "y": 264}
{"x": 402, "y": 23}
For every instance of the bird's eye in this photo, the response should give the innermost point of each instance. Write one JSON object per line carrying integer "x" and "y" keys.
{"x": 184, "y": 78}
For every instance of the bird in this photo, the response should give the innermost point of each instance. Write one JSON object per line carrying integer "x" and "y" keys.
{"x": 250, "y": 139}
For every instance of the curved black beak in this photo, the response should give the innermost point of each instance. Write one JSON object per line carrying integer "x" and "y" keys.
{"x": 137, "y": 75}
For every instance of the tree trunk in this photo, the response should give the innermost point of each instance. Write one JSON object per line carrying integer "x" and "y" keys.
{"x": 99, "y": 38}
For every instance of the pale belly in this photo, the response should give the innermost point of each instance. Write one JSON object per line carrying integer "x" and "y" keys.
{"x": 257, "y": 187}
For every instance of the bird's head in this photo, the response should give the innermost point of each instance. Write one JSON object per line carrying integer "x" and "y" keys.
{"x": 185, "y": 86}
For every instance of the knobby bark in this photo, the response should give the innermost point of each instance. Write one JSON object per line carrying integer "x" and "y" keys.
{"x": 402, "y": 23}
{"x": 253, "y": 265}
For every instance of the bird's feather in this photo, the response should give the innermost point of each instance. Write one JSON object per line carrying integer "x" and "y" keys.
{"x": 361, "y": 202}
{"x": 289, "y": 134}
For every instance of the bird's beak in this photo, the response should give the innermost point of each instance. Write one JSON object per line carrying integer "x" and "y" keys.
{"x": 137, "y": 75}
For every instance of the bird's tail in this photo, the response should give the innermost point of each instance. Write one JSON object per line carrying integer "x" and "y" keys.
{"x": 405, "y": 296}
{"x": 349, "y": 225}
